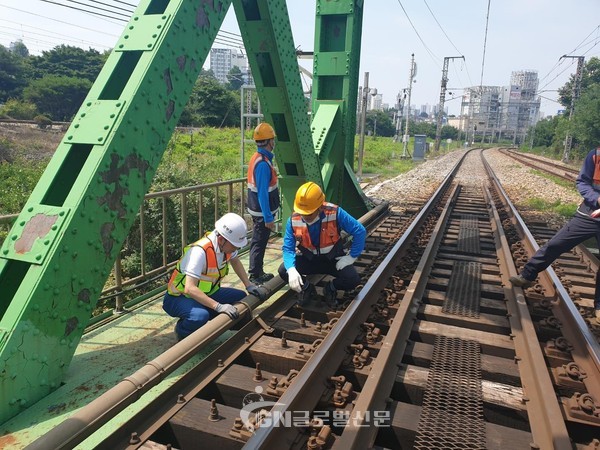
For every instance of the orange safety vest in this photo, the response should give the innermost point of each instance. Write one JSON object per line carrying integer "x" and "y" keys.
{"x": 253, "y": 204}
{"x": 210, "y": 279}
{"x": 329, "y": 236}
{"x": 596, "y": 178}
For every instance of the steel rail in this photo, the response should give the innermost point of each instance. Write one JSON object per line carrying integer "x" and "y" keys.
{"x": 575, "y": 329}
{"x": 546, "y": 421}
{"x": 330, "y": 353}
{"x": 91, "y": 417}
{"x": 357, "y": 434}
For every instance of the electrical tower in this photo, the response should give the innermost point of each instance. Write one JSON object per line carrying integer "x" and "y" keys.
{"x": 413, "y": 72}
{"x": 574, "y": 96}
{"x": 438, "y": 130}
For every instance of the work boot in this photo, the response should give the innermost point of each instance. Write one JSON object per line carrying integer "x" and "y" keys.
{"x": 261, "y": 279}
{"x": 330, "y": 293}
{"x": 520, "y": 281}
{"x": 306, "y": 294}
{"x": 177, "y": 335}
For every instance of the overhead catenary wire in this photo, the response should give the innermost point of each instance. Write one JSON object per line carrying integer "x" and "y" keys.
{"x": 435, "y": 58}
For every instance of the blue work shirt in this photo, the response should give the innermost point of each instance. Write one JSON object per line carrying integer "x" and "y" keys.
{"x": 346, "y": 223}
{"x": 262, "y": 178}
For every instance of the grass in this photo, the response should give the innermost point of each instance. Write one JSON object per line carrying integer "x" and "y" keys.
{"x": 556, "y": 206}
{"x": 558, "y": 180}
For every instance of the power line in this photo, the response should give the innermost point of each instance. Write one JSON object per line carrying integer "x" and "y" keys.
{"x": 84, "y": 10}
{"x": 487, "y": 20}
{"x": 62, "y": 21}
{"x": 433, "y": 56}
{"x": 443, "y": 31}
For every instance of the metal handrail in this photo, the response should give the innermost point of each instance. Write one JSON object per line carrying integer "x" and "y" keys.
{"x": 234, "y": 202}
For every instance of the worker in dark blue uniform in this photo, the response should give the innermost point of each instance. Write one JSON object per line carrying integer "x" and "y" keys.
{"x": 263, "y": 199}
{"x": 585, "y": 224}
{"x": 315, "y": 228}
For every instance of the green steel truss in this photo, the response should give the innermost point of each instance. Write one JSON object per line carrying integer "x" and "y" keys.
{"x": 335, "y": 84}
{"x": 63, "y": 245}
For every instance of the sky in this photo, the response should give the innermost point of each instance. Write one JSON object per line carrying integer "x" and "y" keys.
{"x": 521, "y": 35}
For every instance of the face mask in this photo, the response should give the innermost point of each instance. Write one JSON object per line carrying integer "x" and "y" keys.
{"x": 313, "y": 220}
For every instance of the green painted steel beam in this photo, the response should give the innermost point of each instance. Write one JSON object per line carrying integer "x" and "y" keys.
{"x": 62, "y": 247}
{"x": 267, "y": 34}
{"x": 338, "y": 30}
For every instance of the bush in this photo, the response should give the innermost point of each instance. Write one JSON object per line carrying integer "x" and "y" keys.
{"x": 42, "y": 121}
{"x": 19, "y": 110}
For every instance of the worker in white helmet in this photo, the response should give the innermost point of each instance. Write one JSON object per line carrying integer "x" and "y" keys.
{"x": 194, "y": 293}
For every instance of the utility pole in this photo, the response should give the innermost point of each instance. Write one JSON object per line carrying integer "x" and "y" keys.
{"x": 413, "y": 71}
{"x": 574, "y": 96}
{"x": 363, "y": 117}
{"x": 438, "y": 130}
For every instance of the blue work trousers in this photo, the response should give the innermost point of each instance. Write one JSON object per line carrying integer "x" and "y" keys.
{"x": 577, "y": 230}
{"x": 345, "y": 279}
{"x": 192, "y": 315}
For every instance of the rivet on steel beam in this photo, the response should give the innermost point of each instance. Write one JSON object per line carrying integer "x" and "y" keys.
{"x": 180, "y": 398}
{"x": 135, "y": 438}
{"x": 258, "y": 374}
{"x": 220, "y": 363}
{"x": 214, "y": 412}
{"x": 517, "y": 359}
{"x": 246, "y": 340}
{"x": 511, "y": 335}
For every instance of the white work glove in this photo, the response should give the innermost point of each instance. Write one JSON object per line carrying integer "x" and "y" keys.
{"x": 344, "y": 261}
{"x": 230, "y": 310}
{"x": 295, "y": 279}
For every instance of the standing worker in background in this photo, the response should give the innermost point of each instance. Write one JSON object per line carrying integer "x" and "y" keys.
{"x": 263, "y": 199}
{"x": 194, "y": 293}
{"x": 585, "y": 224}
{"x": 315, "y": 226}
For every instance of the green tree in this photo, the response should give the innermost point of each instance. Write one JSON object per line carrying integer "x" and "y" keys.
{"x": 586, "y": 118}
{"x": 20, "y": 49}
{"x": 385, "y": 127}
{"x": 589, "y": 77}
{"x": 69, "y": 61}
{"x": 58, "y": 97}
{"x": 13, "y": 69}
{"x": 543, "y": 132}
{"x": 235, "y": 79}
{"x": 449, "y": 132}
{"x": 211, "y": 104}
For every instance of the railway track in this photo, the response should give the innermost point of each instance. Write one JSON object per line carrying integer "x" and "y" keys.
{"x": 559, "y": 170}
{"x": 436, "y": 350}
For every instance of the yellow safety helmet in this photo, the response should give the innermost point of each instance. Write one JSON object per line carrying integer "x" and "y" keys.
{"x": 309, "y": 198}
{"x": 263, "y": 132}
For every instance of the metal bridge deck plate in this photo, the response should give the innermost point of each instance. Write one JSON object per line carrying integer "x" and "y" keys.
{"x": 452, "y": 414}
{"x": 464, "y": 290}
{"x": 468, "y": 234}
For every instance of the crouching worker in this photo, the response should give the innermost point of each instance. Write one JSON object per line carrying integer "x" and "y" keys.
{"x": 315, "y": 227}
{"x": 194, "y": 293}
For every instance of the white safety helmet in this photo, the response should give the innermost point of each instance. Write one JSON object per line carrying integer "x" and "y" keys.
{"x": 233, "y": 228}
